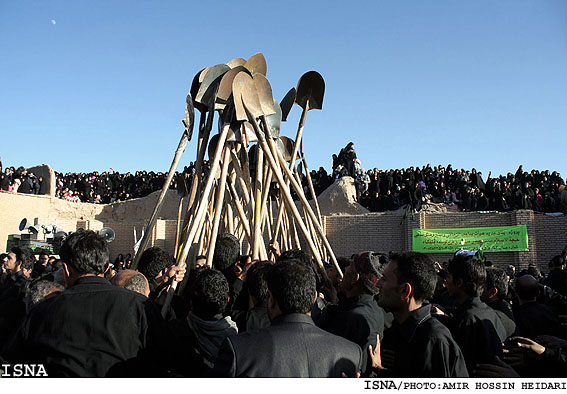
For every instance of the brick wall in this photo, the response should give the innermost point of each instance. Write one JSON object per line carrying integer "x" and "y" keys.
{"x": 348, "y": 234}
{"x": 547, "y": 235}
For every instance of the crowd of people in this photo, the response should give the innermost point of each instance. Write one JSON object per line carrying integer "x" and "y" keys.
{"x": 377, "y": 190}
{"x": 388, "y": 315}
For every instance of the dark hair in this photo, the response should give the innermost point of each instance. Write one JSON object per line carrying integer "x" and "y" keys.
{"x": 24, "y": 255}
{"x": 209, "y": 293}
{"x": 527, "y": 287}
{"x": 86, "y": 252}
{"x": 418, "y": 270}
{"x": 497, "y": 278}
{"x": 471, "y": 271}
{"x": 343, "y": 262}
{"x": 256, "y": 280}
{"x": 534, "y": 271}
{"x": 557, "y": 261}
{"x": 227, "y": 250}
{"x": 44, "y": 253}
{"x": 300, "y": 256}
{"x": 153, "y": 261}
{"x": 293, "y": 286}
{"x": 304, "y": 258}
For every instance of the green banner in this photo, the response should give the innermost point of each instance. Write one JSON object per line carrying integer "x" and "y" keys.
{"x": 494, "y": 239}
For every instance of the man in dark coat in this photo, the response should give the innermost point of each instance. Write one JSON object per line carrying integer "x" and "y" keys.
{"x": 494, "y": 296}
{"x": 93, "y": 328}
{"x": 256, "y": 317}
{"x": 357, "y": 317}
{"x": 292, "y": 346}
{"x": 476, "y": 327}
{"x": 533, "y": 318}
{"x": 19, "y": 265}
{"x": 417, "y": 345}
{"x": 557, "y": 277}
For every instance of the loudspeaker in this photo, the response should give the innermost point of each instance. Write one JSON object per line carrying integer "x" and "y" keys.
{"x": 108, "y": 234}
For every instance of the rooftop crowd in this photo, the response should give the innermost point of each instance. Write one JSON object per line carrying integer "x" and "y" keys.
{"x": 390, "y": 315}
{"x": 378, "y": 190}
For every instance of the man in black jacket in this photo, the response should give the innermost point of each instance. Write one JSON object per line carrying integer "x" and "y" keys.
{"x": 476, "y": 327}
{"x": 534, "y": 319}
{"x": 256, "y": 316}
{"x": 91, "y": 329}
{"x": 494, "y": 296}
{"x": 417, "y": 345}
{"x": 357, "y": 317}
{"x": 292, "y": 346}
{"x": 19, "y": 265}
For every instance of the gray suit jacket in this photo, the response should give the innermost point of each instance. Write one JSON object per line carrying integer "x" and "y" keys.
{"x": 291, "y": 347}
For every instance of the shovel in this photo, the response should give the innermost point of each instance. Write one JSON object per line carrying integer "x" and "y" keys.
{"x": 204, "y": 101}
{"x": 309, "y": 95}
{"x": 257, "y": 64}
{"x": 188, "y": 122}
{"x": 250, "y": 102}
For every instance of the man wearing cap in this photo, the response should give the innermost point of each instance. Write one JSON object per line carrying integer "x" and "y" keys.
{"x": 357, "y": 317}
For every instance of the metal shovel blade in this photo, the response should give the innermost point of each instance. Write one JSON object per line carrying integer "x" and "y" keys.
{"x": 212, "y": 147}
{"x": 195, "y": 89}
{"x": 235, "y": 132}
{"x": 287, "y": 103}
{"x": 257, "y": 64}
{"x": 286, "y": 147}
{"x": 264, "y": 94}
{"x": 236, "y": 62}
{"x": 311, "y": 87}
{"x": 189, "y": 119}
{"x": 244, "y": 91}
{"x": 225, "y": 86}
{"x": 209, "y": 86}
{"x": 274, "y": 121}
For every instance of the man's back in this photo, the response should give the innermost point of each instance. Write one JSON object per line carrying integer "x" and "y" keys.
{"x": 557, "y": 280}
{"x": 478, "y": 331}
{"x": 89, "y": 329}
{"x": 504, "y": 311}
{"x": 291, "y": 347}
{"x": 536, "y": 319}
{"x": 358, "y": 319}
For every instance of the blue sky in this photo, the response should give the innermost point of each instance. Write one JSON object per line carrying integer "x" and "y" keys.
{"x": 90, "y": 85}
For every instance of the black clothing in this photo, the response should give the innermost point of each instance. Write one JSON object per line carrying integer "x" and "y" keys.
{"x": 291, "y": 347}
{"x": 91, "y": 329}
{"x": 24, "y": 186}
{"x": 423, "y": 347}
{"x": 192, "y": 359}
{"x": 41, "y": 270}
{"x": 358, "y": 319}
{"x": 253, "y": 319}
{"x": 557, "y": 280}
{"x": 504, "y": 311}
{"x": 5, "y": 183}
{"x": 478, "y": 331}
{"x": 12, "y": 306}
{"x": 534, "y": 319}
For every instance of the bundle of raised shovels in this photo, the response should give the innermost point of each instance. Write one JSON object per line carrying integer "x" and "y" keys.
{"x": 252, "y": 169}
